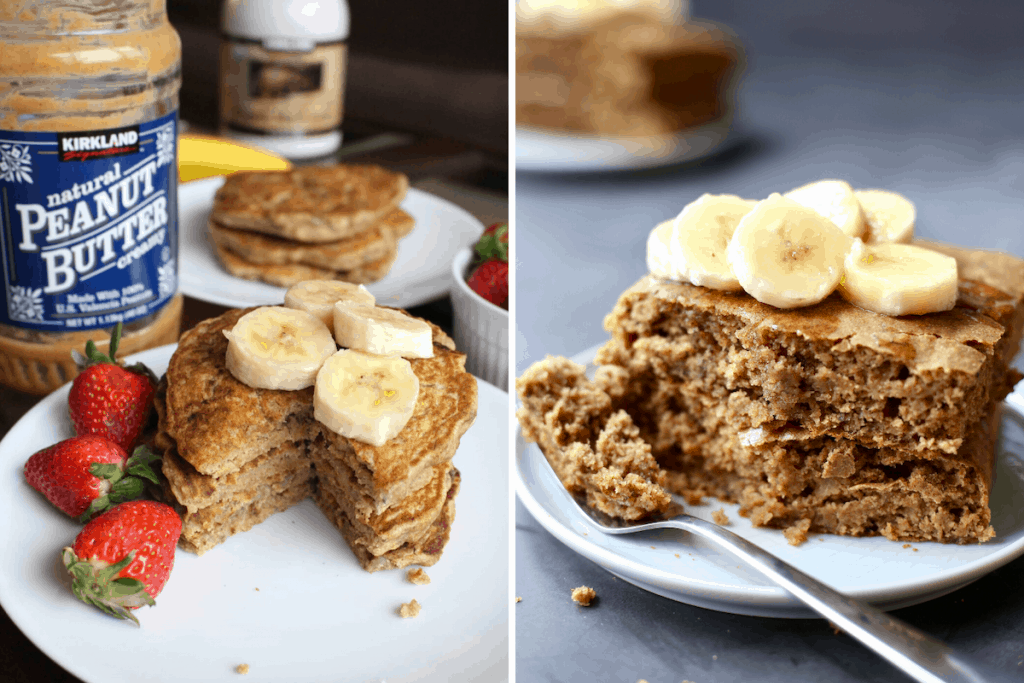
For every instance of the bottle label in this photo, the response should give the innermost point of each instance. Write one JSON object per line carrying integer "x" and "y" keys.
{"x": 89, "y": 225}
{"x": 268, "y": 92}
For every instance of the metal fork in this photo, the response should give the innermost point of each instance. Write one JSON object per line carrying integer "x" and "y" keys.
{"x": 910, "y": 650}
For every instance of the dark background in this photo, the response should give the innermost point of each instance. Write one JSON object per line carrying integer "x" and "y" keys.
{"x": 427, "y": 68}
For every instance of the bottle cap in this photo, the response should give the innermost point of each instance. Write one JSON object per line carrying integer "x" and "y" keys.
{"x": 286, "y": 24}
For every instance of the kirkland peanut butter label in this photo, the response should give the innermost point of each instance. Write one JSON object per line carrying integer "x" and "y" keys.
{"x": 89, "y": 225}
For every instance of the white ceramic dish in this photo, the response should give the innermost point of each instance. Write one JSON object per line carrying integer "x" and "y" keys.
{"x": 884, "y": 573}
{"x": 316, "y": 616}
{"x": 480, "y": 328}
{"x": 545, "y": 151}
{"x": 421, "y": 273}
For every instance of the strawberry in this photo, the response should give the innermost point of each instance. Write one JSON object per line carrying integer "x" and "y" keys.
{"x": 86, "y": 475}
{"x": 490, "y": 280}
{"x": 122, "y": 559}
{"x": 493, "y": 244}
{"x": 109, "y": 399}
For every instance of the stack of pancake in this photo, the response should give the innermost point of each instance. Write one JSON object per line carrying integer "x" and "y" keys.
{"x": 312, "y": 223}
{"x": 234, "y": 455}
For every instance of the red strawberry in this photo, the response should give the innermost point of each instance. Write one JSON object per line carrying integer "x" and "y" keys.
{"x": 122, "y": 559}
{"x": 109, "y": 399}
{"x": 86, "y": 475}
{"x": 490, "y": 280}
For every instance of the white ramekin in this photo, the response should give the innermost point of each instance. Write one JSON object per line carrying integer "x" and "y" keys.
{"x": 481, "y": 328}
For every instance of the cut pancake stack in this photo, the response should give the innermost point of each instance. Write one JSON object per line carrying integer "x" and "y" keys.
{"x": 234, "y": 454}
{"x": 803, "y": 357}
{"x": 317, "y": 222}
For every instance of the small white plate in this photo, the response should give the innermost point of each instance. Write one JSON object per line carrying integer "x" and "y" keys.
{"x": 548, "y": 151}
{"x": 316, "y": 616}
{"x": 680, "y": 567}
{"x": 421, "y": 273}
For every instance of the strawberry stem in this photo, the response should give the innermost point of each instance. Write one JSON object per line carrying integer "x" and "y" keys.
{"x": 491, "y": 245}
{"x": 126, "y": 484}
{"x": 93, "y": 356}
{"x": 98, "y": 586}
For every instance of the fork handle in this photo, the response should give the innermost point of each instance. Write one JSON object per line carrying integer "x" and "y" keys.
{"x": 909, "y": 649}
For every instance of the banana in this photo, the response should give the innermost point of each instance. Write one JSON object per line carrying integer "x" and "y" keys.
{"x": 278, "y": 348}
{"x": 889, "y": 216}
{"x": 658, "y": 258}
{"x": 899, "y": 279}
{"x": 319, "y": 296}
{"x": 787, "y": 255}
{"x": 365, "y": 397}
{"x": 700, "y": 239}
{"x": 382, "y": 331}
{"x": 836, "y": 201}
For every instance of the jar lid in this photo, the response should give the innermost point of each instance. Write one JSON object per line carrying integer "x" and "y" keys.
{"x": 286, "y": 23}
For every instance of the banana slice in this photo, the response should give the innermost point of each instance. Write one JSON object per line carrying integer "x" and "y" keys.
{"x": 319, "y": 296}
{"x": 899, "y": 279}
{"x": 365, "y": 397}
{"x": 659, "y": 261}
{"x": 836, "y": 201}
{"x": 382, "y": 331}
{"x": 700, "y": 239}
{"x": 787, "y": 255}
{"x": 889, "y": 216}
{"x": 278, "y": 348}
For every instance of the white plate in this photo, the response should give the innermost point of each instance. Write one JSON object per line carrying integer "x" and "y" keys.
{"x": 421, "y": 273}
{"x": 877, "y": 570}
{"x": 317, "y": 616}
{"x": 544, "y": 150}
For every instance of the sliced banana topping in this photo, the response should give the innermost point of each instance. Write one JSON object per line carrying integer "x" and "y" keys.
{"x": 319, "y": 296}
{"x": 889, "y": 216}
{"x": 700, "y": 239}
{"x": 382, "y": 331}
{"x": 787, "y": 255}
{"x": 365, "y": 397}
{"x": 278, "y": 348}
{"x": 659, "y": 261}
{"x": 899, "y": 279}
{"x": 836, "y": 201}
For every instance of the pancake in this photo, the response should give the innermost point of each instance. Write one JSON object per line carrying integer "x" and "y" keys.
{"x": 289, "y": 274}
{"x": 234, "y": 455}
{"x": 311, "y": 204}
{"x": 351, "y": 253}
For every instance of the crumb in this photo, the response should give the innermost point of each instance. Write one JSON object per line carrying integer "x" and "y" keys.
{"x": 642, "y": 680}
{"x": 714, "y": 657}
{"x": 693, "y": 498}
{"x": 720, "y": 518}
{"x": 653, "y": 548}
{"x": 677, "y": 554}
{"x": 835, "y": 629}
{"x": 242, "y": 668}
{"x": 257, "y": 590}
{"x": 409, "y": 609}
{"x": 518, "y": 599}
{"x": 417, "y": 576}
{"x": 584, "y": 595}
{"x": 915, "y": 550}
{"x": 797, "y": 533}
{"x": 906, "y": 545}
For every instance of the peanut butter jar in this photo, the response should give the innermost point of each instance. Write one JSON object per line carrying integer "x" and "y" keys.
{"x": 88, "y": 182}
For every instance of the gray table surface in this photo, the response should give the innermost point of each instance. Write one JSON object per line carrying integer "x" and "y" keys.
{"x": 925, "y": 98}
